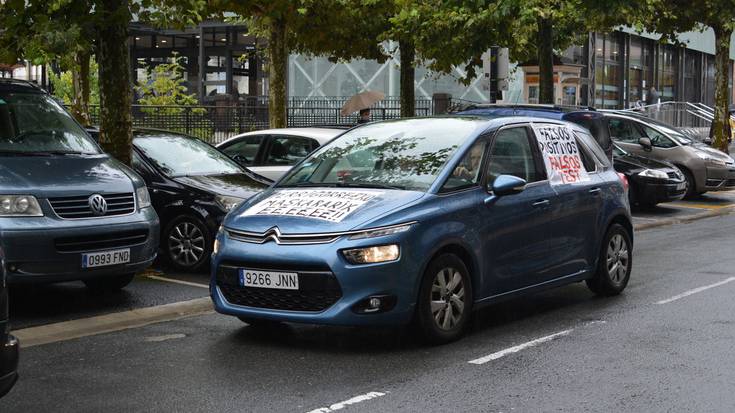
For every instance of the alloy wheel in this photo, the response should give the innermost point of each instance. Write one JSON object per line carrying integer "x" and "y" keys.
{"x": 186, "y": 244}
{"x": 617, "y": 258}
{"x": 447, "y": 298}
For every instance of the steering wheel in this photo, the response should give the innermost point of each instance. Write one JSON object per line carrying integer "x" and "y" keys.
{"x": 241, "y": 159}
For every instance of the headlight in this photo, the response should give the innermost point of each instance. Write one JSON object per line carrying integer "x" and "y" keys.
{"x": 652, "y": 173}
{"x": 215, "y": 247}
{"x": 19, "y": 206}
{"x": 372, "y": 255}
{"x": 227, "y": 202}
{"x": 709, "y": 160}
{"x": 380, "y": 232}
{"x": 144, "y": 198}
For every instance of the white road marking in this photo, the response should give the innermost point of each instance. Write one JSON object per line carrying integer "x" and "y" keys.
{"x": 515, "y": 349}
{"x": 67, "y": 330}
{"x": 357, "y": 399}
{"x": 158, "y": 339}
{"x": 696, "y": 290}
{"x": 175, "y": 281}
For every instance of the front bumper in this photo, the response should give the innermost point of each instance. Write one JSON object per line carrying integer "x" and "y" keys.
{"x": 344, "y": 286}
{"x": 42, "y": 250}
{"x": 9, "y": 350}
{"x": 655, "y": 192}
{"x": 720, "y": 179}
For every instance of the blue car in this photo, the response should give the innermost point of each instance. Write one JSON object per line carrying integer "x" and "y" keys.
{"x": 423, "y": 221}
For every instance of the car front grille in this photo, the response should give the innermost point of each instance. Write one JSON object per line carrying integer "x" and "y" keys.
{"x": 100, "y": 242}
{"x": 318, "y": 290}
{"x": 674, "y": 175}
{"x": 77, "y": 207}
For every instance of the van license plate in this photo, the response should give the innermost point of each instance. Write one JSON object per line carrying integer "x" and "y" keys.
{"x": 267, "y": 279}
{"x": 105, "y": 258}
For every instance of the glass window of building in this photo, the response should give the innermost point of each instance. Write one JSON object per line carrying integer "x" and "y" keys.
{"x": 608, "y": 71}
{"x": 709, "y": 80}
{"x": 640, "y": 70}
{"x": 692, "y": 70}
{"x": 668, "y": 61}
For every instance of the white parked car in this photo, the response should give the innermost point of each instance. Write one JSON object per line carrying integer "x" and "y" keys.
{"x": 272, "y": 152}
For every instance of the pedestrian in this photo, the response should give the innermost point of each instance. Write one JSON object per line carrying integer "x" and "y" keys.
{"x": 364, "y": 116}
{"x": 653, "y": 96}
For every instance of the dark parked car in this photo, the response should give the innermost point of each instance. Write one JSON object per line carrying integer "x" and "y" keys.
{"x": 68, "y": 211}
{"x": 192, "y": 185}
{"x": 8, "y": 344}
{"x": 651, "y": 182}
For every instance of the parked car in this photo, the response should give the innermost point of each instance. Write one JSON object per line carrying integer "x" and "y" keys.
{"x": 426, "y": 220}
{"x": 587, "y": 117}
{"x": 68, "y": 211}
{"x": 192, "y": 186}
{"x": 273, "y": 152}
{"x": 704, "y": 168}
{"x": 9, "y": 346}
{"x": 651, "y": 182}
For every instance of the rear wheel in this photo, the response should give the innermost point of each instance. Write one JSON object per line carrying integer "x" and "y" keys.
{"x": 109, "y": 284}
{"x": 445, "y": 300}
{"x": 187, "y": 243}
{"x": 614, "y": 263}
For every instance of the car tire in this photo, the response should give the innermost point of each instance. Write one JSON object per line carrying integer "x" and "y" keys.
{"x": 445, "y": 289}
{"x": 186, "y": 243}
{"x": 691, "y": 184}
{"x": 614, "y": 263}
{"x": 108, "y": 284}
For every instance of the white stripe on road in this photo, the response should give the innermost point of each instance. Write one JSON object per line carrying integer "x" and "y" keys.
{"x": 696, "y": 290}
{"x": 175, "y": 281}
{"x": 515, "y": 349}
{"x": 357, "y": 399}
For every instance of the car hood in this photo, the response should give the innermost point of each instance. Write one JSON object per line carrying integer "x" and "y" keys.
{"x": 634, "y": 162}
{"x": 317, "y": 210}
{"x": 237, "y": 185}
{"x": 714, "y": 153}
{"x": 60, "y": 176}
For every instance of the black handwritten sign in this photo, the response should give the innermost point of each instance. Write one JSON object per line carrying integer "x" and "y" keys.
{"x": 561, "y": 154}
{"x": 324, "y": 204}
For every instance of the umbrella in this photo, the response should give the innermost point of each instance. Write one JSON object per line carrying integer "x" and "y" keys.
{"x": 361, "y": 101}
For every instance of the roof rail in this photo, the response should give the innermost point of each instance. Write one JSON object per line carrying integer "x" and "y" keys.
{"x": 19, "y": 82}
{"x": 561, "y": 108}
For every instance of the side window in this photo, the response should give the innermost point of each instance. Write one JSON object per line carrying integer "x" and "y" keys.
{"x": 511, "y": 154}
{"x": 467, "y": 172}
{"x": 244, "y": 150}
{"x": 623, "y": 130}
{"x": 587, "y": 158}
{"x": 658, "y": 139}
{"x": 288, "y": 150}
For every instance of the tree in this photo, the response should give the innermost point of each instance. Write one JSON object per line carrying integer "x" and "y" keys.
{"x": 64, "y": 85}
{"x": 672, "y": 17}
{"x": 164, "y": 85}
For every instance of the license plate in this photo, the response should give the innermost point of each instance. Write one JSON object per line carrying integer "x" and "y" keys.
{"x": 105, "y": 258}
{"x": 681, "y": 186}
{"x": 268, "y": 279}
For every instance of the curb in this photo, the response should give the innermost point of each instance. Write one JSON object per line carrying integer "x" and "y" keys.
{"x": 685, "y": 219}
{"x": 67, "y": 330}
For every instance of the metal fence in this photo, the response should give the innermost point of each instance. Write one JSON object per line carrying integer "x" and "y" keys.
{"x": 216, "y": 123}
{"x": 692, "y": 118}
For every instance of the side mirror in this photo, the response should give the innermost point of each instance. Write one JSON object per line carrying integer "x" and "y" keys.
{"x": 507, "y": 185}
{"x": 707, "y": 141}
{"x": 646, "y": 144}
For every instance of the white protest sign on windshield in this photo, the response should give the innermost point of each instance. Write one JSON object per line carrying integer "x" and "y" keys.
{"x": 561, "y": 154}
{"x": 325, "y": 204}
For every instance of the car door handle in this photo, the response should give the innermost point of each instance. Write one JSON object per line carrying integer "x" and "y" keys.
{"x": 595, "y": 191}
{"x": 541, "y": 203}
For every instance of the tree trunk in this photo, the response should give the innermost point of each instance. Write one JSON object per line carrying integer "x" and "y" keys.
{"x": 408, "y": 76}
{"x": 80, "y": 87}
{"x": 722, "y": 101}
{"x": 277, "y": 74}
{"x": 116, "y": 133}
{"x": 545, "y": 61}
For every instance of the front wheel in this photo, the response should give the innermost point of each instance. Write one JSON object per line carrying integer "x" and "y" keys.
{"x": 109, "y": 284}
{"x": 187, "y": 243}
{"x": 445, "y": 300}
{"x": 614, "y": 263}
{"x": 691, "y": 185}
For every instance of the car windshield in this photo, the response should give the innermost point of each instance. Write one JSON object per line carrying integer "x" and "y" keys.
{"x": 407, "y": 154}
{"x": 670, "y": 131}
{"x": 34, "y": 124}
{"x": 177, "y": 155}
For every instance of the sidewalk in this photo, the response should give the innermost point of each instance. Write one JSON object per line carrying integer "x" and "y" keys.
{"x": 708, "y": 205}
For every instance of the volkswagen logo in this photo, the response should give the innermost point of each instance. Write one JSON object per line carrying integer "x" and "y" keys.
{"x": 98, "y": 205}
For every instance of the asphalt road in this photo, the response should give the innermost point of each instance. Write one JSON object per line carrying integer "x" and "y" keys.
{"x": 664, "y": 345}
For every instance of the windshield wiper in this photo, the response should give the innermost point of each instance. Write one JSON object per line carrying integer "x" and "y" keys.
{"x": 23, "y": 153}
{"x": 342, "y": 185}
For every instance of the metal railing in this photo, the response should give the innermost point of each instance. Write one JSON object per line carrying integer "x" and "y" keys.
{"x": 216, "y": 123}
{"x": 694, "y": 119}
